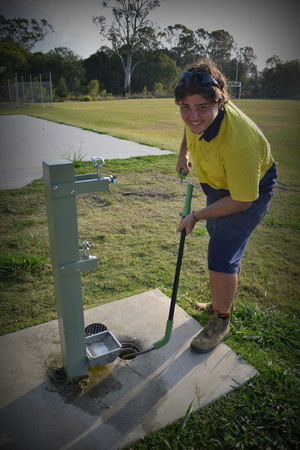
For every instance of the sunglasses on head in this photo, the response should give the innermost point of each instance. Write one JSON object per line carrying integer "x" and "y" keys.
{"x": 199, "y": 79}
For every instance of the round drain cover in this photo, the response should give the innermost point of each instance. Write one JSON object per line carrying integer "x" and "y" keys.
{"x": 94, "y": 328}
{"x": 129, "y": 351}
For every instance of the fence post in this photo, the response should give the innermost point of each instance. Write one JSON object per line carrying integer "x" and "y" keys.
{"x": 23, "y": 90}
{"x": 9, "y": 93}
{"x": 50, "y": 85}
{"x": 17, "y": 91}
{"x": 41, "y": 88}
{"x": 31, "y": 91}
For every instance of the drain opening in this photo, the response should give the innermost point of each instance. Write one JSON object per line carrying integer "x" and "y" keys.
{"x": 94, "y": 328}
{"x": 129, "y": 351}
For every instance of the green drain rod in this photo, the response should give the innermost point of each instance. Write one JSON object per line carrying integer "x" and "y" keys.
{"x": 169, "y": 325}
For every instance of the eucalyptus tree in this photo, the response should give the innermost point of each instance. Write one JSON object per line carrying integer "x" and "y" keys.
{"x": 219, "y": 48}
{"x": 67, "y": 64}
{"x": 274, "y": 79}
{"x": 182, "y": 44}
{"x": 14, "y": 57}
{"x": 159, "y": 68}
{"x": 129, "y": 32}
{"x": 273, "y": 61}
{"x": 24, "y": 32}
{"x": 104, "y": 65}
{"x": 246, "y": 67}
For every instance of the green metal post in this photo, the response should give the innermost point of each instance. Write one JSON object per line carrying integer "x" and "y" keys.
{"x": 61, "y": 187}
{"x": 63, "y": 232}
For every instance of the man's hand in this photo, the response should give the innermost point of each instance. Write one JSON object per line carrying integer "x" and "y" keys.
{"x": 183, "y": 163}
{"x": 223, "y": 207}
{"x": 187, "y": 222}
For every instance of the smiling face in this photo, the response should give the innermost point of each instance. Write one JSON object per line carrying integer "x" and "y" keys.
{"x": 198, "y": 113}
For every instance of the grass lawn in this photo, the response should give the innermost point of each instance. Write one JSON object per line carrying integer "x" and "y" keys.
{"x": 132, "y": 230}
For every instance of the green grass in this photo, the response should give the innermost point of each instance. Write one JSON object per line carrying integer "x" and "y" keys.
{"x": 154, "y": 122}
{"x": 132, "y": 230}
{"x": 15, "y": 263}
{"x": 157, "y": 122}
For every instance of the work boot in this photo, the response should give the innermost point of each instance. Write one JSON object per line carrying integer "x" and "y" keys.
{"x": 207, "y": 307}
{"x": 212, "y": 335}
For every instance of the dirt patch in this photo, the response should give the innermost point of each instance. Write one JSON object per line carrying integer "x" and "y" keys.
{"x": 147, "y": 194}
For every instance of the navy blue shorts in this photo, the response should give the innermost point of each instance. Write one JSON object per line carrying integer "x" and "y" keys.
{"x": 229, "y": 235}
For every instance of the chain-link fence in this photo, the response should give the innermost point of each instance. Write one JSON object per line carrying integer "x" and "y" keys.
{"x": 26, "y": 89}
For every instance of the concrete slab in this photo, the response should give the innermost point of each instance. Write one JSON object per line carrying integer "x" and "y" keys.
{"x": 124, "y": 400}
{"x": 27, "y": 141}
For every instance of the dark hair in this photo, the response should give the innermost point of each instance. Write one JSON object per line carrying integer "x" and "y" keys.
{"x": 213, "y": 93}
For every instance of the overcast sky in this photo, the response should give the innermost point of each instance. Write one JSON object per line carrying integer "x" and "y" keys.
{"x": 269, "y": 27}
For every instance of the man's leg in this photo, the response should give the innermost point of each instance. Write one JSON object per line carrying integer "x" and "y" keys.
{"x": 215, "y": 283}
{"x": 228, "y": 239}
{"x": 223, "y": 289}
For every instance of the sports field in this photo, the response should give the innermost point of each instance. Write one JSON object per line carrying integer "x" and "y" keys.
{"x": 132, "y": 231}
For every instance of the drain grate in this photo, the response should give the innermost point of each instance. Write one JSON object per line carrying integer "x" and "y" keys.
{"x": 94, "y": 328}
{"x": 129, "y": 351}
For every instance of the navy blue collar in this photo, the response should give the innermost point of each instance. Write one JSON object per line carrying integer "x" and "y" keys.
{"x": 213, "y": 129}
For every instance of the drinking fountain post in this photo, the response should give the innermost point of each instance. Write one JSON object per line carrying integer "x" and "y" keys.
{"x": 61, "y": 186}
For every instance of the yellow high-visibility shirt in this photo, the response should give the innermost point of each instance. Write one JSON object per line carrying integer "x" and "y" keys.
{"x": 235, "y": 156}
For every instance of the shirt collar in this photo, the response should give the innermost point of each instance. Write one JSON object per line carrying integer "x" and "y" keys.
{"x": 213, "y": 129}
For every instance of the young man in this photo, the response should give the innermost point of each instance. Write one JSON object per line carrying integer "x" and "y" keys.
{"x": 233, "y": 162}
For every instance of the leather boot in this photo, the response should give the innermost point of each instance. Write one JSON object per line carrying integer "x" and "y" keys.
{"x": 212, "y": 335}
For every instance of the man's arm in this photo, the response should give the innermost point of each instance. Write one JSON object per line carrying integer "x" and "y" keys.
{"x": 221, "y": 208}
{"x": 183, "y": 161}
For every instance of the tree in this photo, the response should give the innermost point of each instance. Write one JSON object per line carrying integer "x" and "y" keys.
{"x": 129, "y": 32}
{"x": 273, "y": 61}
{"x": 185, "y": 46}
{"x": 24, "y": 32}
{"x": 182, "y": 42}
{"x": 246, "y": 66}
{"x": 65, "y": 63}
{"x": 159, "y": 68}
{"x": 104, "y": 65}
{"x": 62, "y": 88}
{"x": 281, "y": 81}
{"x": 93, "y": 88}
{"x": 12, "y": 56}
{"x": 65, "y": 53}
{"x": 219, "y": 47}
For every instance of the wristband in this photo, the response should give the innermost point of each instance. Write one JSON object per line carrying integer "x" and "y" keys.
{"x": 194, "y": 217}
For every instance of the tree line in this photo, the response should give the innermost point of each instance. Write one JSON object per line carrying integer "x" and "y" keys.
{"x": 143, "y": 62}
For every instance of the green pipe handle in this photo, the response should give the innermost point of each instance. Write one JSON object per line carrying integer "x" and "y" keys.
{"x": 182, "y": 174}
{"x": 166, "y": 337}
{"x": 188, "y": 200}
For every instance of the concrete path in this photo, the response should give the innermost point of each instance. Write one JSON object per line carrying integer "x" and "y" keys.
{"x": 27, "y": 141}
{"x": 125, "y": 400}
